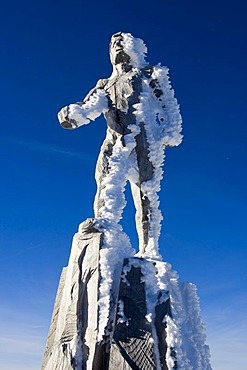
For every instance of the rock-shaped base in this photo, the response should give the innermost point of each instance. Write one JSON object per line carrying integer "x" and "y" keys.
{"x": 86, "y": 302}
{"x": 116, "y": 311}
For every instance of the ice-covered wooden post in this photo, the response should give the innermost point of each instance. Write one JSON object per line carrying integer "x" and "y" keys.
{"x": 116, "y": 308}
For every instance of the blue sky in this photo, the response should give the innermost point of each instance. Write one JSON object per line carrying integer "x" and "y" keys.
{"x": 52, "y": 54}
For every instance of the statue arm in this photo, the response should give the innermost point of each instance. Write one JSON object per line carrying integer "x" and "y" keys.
{"x": 81, "y": 113}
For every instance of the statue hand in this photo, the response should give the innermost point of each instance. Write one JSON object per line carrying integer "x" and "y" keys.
{"x": 65, "y": 120}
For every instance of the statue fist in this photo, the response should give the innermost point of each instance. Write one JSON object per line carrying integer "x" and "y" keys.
{"x": 64, "y": 120}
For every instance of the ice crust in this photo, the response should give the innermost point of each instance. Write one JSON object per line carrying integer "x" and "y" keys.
{"x": 136, "y": 49}
{"x": 122, "y": 318}
{"x": 163, "y": 128}
{"x": 115, "y": 247}
{"x": 122, "y": 161}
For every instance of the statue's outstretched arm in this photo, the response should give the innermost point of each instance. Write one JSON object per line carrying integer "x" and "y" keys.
{"x": 81, "y": 113}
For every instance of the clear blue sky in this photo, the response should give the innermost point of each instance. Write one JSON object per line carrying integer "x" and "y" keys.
{"x": 52, "y": 53}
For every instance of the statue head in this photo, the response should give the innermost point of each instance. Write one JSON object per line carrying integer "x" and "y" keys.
{"x": 127, "y": 50}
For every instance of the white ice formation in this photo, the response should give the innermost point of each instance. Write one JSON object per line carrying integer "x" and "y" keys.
{"x": 115, "y": 247}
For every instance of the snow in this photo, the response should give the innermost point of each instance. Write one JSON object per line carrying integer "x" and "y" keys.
{"x": 122, "y": 161}
{"x": 193, "y": 328}
{"x": 121, "y": 316}
{"x": 136, "y": 49}
{"x": 184, "y": 307}
{"x": 163, "y": 129}
{"x": 115, "y": 247}
{"x": 76, "y": 353}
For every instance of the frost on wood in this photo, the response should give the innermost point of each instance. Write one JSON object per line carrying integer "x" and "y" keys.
{"x": 143, "y": 119}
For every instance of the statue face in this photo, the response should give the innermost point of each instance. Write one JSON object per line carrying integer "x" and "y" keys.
{"x": 117, "y": 54}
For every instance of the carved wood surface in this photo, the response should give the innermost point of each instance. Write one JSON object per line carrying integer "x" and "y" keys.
{"x": 72, "y": 340}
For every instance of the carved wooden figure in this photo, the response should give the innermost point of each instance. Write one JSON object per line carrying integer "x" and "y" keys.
{"x": 116, "y": 309}
{"x": 143, "y": 118}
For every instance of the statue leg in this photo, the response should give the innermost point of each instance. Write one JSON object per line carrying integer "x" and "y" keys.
{"x": 142, "y": 220}
{"x": 145, "y": 194}
{"x": 148, "y": 218}
{"x": 111, "y": 178}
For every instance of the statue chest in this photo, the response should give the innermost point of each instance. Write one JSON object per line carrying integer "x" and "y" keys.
{"x": 124, "y": 91}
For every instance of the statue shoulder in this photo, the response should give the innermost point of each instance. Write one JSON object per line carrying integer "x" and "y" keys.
{"x": 101, "y": 83}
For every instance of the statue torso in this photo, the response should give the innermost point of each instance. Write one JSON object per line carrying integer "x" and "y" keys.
{"x": 123, "y": 92}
